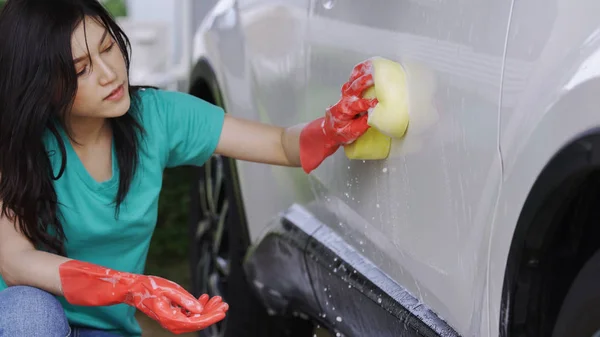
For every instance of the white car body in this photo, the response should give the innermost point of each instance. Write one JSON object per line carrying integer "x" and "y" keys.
{"x": 496, "y": 89}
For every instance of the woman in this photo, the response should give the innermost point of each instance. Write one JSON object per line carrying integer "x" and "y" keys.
{"x": 81, "y": 160}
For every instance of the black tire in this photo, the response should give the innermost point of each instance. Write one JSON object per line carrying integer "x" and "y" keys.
{"x": 579, "y": 315}
{"x": 223, "y": 265}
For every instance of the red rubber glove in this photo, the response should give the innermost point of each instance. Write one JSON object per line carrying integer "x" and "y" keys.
{"x": 343, "y": 123}
{"x": 164, "y": 301}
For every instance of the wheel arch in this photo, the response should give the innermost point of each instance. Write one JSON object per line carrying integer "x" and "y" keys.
{"x": 537, "y": 198}
{"x": 204, "y": 84}
{"x": 242, "y": 296}
{"x": 536, "y": 237}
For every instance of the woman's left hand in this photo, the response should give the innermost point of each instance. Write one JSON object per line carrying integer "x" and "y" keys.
{"x": 178, "y": 320}
{"x": 173, "y": 307}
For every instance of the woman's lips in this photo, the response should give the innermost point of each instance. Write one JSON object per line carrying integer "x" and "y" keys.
{"x": 116, "y": 94}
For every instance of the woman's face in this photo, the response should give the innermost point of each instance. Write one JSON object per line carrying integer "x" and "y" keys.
{"x": 102, "y": 86}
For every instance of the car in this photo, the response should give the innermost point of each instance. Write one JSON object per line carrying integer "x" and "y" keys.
{"x": 481, "y": 222}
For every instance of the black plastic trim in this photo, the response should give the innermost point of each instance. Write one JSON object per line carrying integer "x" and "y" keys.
{"x": 276, "y": 268}
{"x": 301, "y": 264}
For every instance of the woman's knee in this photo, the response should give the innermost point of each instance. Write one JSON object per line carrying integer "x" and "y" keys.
{"x": 29, "y": 311}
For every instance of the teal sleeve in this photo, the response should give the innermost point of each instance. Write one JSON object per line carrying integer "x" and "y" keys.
{"x": 192, "y": 127}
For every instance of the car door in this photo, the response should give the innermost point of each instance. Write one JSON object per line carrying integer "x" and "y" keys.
{"x": 422, "y": 215}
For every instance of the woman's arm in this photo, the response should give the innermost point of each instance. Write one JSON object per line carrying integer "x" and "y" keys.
{"x": 22, "y": 264}
{"x": 257, "y": 142}
{"x": 87, "y": 284}
{"x": 305, "y": 145}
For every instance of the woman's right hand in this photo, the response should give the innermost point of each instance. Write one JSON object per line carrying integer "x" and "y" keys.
{"x": 164, "y": 301}
{"x": 343, "y": 122}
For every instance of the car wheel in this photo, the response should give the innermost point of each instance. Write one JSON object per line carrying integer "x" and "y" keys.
{"x": 219, "y": 241}
{"x": 210, "y": 259}
{"x": 579, "y": 315}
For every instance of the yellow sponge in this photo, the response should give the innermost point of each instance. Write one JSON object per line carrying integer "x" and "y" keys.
{"x": 389, "y": 118}
{"x": 372, "y": 144}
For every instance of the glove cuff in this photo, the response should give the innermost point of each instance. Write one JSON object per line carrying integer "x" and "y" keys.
{"x": 88, "y": 284}
{"x": 315, "y": 145}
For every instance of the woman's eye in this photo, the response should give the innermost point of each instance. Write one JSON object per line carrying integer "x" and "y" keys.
{"x": 83, "y": 71}
{"x": 109, "y": 47}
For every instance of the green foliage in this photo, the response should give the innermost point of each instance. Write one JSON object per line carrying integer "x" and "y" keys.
{"x": 116, "y": 7}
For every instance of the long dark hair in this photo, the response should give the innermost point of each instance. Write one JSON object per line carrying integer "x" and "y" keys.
{"x": 38, "y": 84}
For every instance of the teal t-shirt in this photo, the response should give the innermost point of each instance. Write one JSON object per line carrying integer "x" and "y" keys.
{"x": 180, "y": 129}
